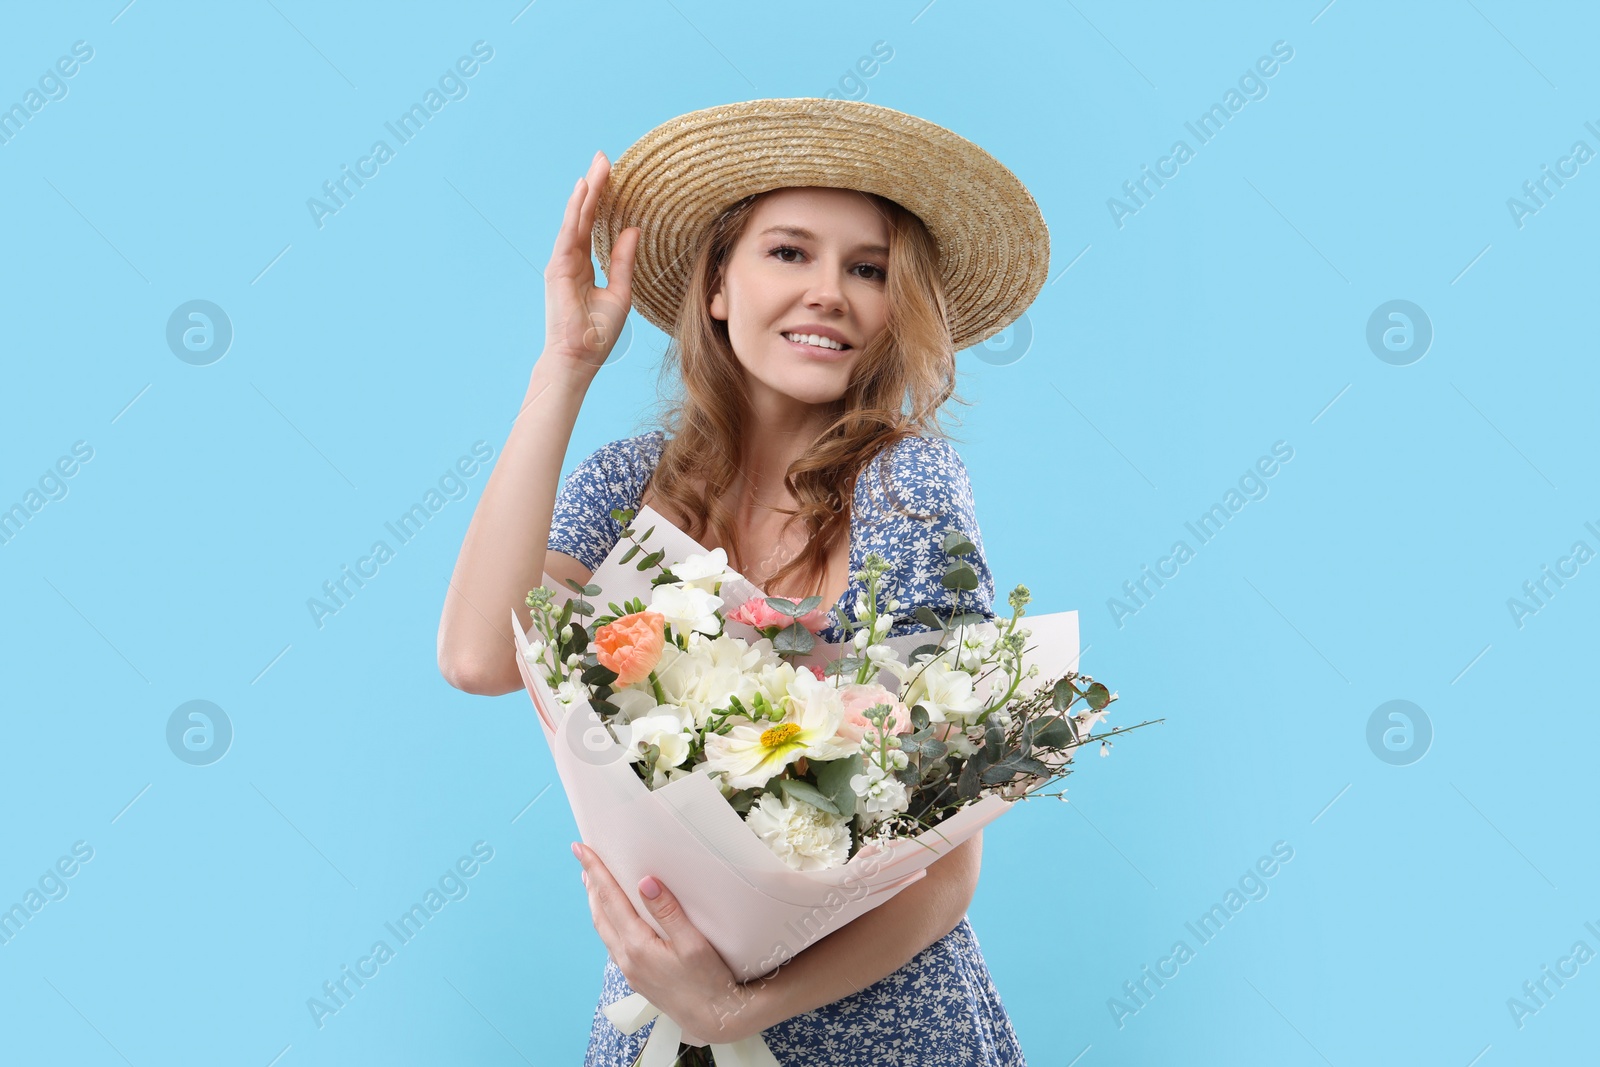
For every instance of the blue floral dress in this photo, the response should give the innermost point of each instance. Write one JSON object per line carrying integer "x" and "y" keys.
{"x": 942, "y": 1008}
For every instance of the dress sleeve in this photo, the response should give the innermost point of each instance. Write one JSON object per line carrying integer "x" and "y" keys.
{"x": 613, "y": 476}
{"x": 929, "y": 477}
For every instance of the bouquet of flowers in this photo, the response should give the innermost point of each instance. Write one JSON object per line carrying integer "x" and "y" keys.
{"x": 818, "y": 760}
{"x": 784, "y": 785}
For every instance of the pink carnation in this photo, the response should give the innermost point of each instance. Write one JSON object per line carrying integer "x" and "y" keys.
{"x": 760, "y": 615}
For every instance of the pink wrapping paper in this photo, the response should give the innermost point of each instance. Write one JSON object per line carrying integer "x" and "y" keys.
{"x": 753, "y": 908}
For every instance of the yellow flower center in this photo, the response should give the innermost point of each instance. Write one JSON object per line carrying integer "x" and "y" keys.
{"x": 779, "y": 735}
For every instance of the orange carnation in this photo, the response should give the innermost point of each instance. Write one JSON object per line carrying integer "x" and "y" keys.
{"x": 631, "y": 645}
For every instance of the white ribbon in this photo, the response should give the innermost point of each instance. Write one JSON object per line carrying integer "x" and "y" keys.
{"x": 661, "y": 1050}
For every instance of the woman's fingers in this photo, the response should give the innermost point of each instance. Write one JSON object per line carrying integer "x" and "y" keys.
{"x": 611, "y": 903}
{"x": 620, "y": 280}
{"x": 573, "y": 246}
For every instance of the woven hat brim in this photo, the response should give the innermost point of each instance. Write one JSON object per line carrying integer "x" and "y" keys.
{"x": 994, "y": 247}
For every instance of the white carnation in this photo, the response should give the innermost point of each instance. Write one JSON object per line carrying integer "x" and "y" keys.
{"x": 804, "y": 837}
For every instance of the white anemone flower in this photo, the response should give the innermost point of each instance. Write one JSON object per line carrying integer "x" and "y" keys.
{"x": 804, "y": 837}
{"x": 686, "y": 608}
{"x": 750, "y": 754}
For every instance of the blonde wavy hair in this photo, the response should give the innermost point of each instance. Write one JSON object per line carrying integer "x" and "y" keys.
{"x": 897, "y": 387}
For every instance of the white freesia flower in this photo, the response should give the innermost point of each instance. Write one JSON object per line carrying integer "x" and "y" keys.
{"x": 665, "y": 729}
{"x": 945, "y": 691}
{"x": 804, "y": 837}
{"x": 749, "y": 754}
{"x": 686, "y": 608}
{"x": 705, "y": 570}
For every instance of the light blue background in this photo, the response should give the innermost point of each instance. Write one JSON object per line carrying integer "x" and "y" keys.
{"x": 1167, "y": 354}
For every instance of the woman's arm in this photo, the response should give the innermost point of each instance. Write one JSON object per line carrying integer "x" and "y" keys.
{"x": 868, "y": 949}
{"x": 502, "y": 554}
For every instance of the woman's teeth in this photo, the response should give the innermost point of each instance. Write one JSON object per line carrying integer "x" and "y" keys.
{"x": 815, "y": 339}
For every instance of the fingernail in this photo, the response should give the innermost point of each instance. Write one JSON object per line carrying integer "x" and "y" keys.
{"x": 578, "y": 855}
{"x": 585, "y": 876}
{"x": 650, "y": 887}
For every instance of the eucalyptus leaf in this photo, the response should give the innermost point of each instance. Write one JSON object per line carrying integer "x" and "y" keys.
{"x": 833, "y": 778}
{"x": 968, "y": 785}
{"x": 960, "y": 575}
{"x": 794, "y": 638}
{"x": 928, "y": 617}
{"x": 957, "y": 544}
{"x": 1064, "y": 693}
{"x": 1014, "y": 764}
{"x": 809, "y": 793}
{"x": 1051, "y": 733}
{"x": 1098, "y": 696}
{"x": 993, "y": 740}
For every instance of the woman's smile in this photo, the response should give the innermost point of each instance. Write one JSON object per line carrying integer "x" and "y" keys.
{"x": 818, "y": 352}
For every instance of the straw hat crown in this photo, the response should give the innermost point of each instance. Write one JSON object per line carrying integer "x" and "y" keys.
{"x": 994, "y": 248}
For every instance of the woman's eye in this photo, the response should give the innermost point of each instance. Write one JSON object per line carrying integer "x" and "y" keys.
{"x": 880, "y": 274}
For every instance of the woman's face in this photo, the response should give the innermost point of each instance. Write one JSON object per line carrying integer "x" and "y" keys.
{"x": 811, "y": 261}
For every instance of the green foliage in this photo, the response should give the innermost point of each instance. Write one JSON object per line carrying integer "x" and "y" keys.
{"x": 833, "y": 778}
{"x": 803, "y": 791}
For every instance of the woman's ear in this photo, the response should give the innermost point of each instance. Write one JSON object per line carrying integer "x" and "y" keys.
{"x": 719, "y": 306}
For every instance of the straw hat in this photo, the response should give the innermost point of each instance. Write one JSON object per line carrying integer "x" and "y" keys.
{"x": 994, "y": 249}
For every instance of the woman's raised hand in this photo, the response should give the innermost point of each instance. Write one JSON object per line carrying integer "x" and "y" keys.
{"x": 582, "y": 320}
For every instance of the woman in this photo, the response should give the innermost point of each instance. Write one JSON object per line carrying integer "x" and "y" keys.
{"x": 815, "y": 318}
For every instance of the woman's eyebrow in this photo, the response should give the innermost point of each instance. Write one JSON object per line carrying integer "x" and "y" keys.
{"x": 803, "y": 234}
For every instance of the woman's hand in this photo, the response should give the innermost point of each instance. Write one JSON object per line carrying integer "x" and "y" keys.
{"x": 685, "y": 976}
{"x": 581, "y": 321}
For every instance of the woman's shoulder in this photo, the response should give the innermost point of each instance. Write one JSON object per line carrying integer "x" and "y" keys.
{"x": 623, "y": 459}
{"x": 921, "y": 471}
